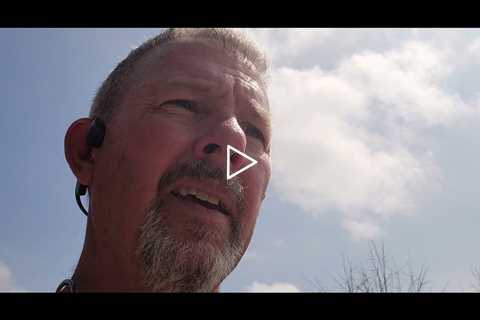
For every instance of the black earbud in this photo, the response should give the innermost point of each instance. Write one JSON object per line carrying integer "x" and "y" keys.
{"x": 95, "y": 136}
{"x": 96, "y": 133}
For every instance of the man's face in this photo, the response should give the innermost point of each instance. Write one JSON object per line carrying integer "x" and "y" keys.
{"x": 163, "y": 161}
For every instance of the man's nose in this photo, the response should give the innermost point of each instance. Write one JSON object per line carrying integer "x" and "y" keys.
{"x": 213, "y": 145}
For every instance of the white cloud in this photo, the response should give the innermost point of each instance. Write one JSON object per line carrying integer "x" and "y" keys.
{"x": 6, "y": 279}
{"x": 285, "y": 44}
{"x": 349, "y": 139}
{"x": 304, "y": 48}
{"x": 405, "y": 81}
{"x": 274, "y": 287}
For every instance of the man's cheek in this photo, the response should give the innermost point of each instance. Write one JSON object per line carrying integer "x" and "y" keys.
{"x": 136, "y": 179}
{"x": 259, "y": 178}
{"x": 159, "y": 152}
{"x": 262, "y": 176}
{"x": 254, "y": 193}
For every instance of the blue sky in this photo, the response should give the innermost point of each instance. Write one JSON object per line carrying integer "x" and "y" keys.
{"x": 375, "y": 137}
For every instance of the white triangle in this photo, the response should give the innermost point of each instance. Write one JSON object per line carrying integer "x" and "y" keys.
{"x": 252, "y": 162}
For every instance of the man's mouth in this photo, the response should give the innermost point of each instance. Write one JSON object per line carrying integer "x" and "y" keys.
{"x": 209, "y": 202}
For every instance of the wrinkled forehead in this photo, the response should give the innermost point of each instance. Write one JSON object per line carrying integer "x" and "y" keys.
{"x": 204, "y": 63}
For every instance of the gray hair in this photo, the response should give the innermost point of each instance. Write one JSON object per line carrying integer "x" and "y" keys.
{"x": 109, "y": 94}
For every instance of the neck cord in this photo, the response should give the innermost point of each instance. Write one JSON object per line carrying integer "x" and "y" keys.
{"x": 66, "y": 285}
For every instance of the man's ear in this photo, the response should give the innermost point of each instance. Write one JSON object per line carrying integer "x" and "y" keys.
{"x": 78, "y": 154}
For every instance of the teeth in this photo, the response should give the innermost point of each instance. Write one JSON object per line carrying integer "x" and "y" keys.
{"x": 202, "y": 196}
{"x": 214, "y": 201}
{"x": 199, "y": 195}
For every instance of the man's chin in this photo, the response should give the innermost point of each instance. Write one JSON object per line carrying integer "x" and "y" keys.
{"x": 193, "y": 231}
{"x": 197, "y": 267}
{"x": 186, "y": 256}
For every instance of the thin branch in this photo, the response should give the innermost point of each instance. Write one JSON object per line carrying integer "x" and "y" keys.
{"x": 382, "y": 274}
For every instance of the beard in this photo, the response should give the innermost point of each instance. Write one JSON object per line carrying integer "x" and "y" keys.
{"x": 201, "y": 262}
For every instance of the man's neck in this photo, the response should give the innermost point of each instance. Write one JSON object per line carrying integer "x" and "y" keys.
{"x": 99, "y": 271}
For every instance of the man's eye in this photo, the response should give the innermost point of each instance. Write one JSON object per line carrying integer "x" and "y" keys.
{"x": 255, "y": 132}
{"x": 185, "y": 104}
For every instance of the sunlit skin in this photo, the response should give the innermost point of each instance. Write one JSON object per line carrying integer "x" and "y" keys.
{"x": 214, "y": 98}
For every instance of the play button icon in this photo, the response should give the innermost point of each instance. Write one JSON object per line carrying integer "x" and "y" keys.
{"x": 248, "y": 166}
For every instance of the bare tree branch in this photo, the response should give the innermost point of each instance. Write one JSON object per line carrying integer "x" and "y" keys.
{"x": 476, "y": 277}
{"x": 382, "y": 274}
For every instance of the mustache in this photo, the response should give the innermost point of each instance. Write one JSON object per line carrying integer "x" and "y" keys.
{"x": 202, "y": 170}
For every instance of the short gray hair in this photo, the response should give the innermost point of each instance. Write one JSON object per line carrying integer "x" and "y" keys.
{"x": 109, "y": 95}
